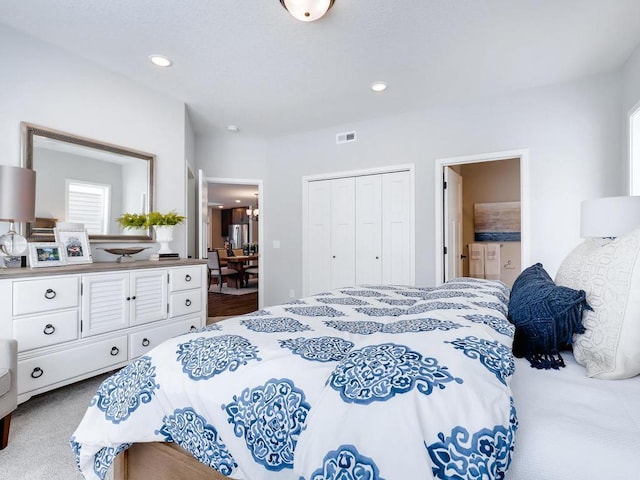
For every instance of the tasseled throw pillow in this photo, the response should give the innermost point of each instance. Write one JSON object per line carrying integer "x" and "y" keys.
{"x": 545, "y": 316}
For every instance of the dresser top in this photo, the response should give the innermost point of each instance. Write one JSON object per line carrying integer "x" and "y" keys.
{"x": 8, "y": 273}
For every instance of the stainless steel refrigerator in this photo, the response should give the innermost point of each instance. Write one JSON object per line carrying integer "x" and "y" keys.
{"x": 238, "y": 235}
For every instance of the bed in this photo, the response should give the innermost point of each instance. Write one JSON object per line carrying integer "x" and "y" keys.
{"x": 367, "y": 382}
{"x": 574, "y": 427}
{"x": 482, "y": 414}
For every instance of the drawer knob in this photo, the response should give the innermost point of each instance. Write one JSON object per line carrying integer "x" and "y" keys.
{"x": 49, "y": 329}
{"x": 145, "y": 342}
{"x": 133, "y": 298}
{"x": 187, "y": 302}
{"x": 114, "y": 351}
{"x": 193, "y": 328}
{"x": 37, "y": 372}
{"x": 187, "y": 278}
{"x": 128, "y": 299}
{"x": 50, "y": 293}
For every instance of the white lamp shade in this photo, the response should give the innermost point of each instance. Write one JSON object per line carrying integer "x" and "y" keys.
{"x": 609, "y": 216}
{"x": 17, "y": 194}
{"x": 307, "y": 10}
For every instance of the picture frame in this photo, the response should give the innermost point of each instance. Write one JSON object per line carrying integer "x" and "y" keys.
{"x": 75, "y": 244}
{"x": 46, "y": 254}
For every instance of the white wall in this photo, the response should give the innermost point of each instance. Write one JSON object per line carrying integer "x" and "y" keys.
{"x": 630, "y": 99}
{"x": 572, "y": 132}
{"x": 46, "y": 86}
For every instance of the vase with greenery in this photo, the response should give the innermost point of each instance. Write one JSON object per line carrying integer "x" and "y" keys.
{"x": 133, "y": 223}
{"x": 162, "y": 223}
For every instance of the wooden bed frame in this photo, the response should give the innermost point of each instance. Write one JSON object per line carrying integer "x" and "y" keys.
{"x": 161, "y": 461}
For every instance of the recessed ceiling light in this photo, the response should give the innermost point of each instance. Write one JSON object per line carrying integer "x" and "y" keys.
{"x": 232, "y": 128}
{"x": 378, "y": 86}
{"x": 220, "y": 206}
{"x": 238, "y": 201}
{"x": 160, "y": 60}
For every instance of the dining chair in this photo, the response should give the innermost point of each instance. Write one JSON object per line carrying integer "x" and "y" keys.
{"x": 213, "y": 260}
{"x": 251, "y": 270}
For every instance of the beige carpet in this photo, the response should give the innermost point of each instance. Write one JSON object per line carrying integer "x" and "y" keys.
{"x": 40, "y": 430}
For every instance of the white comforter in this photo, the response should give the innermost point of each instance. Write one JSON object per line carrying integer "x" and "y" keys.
{"x": 372, "y": 382}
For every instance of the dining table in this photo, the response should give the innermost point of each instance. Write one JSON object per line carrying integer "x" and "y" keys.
{"x": 239, "y": 263}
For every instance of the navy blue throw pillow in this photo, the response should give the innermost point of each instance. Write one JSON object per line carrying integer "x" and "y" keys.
{"x": 545, "y": 316}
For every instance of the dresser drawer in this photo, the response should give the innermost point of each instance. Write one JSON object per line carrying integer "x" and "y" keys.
{"x": 43, "y": 330}
{"x": 185, "y": 278}
{"x": 44, "y": 295}
{"x": 56, "y": 367}
{"x": 141, "y": 342}
{"x": 184, "y": 303}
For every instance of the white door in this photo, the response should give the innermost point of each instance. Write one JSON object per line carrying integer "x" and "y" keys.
{"x": 106, "y": 303}
{"x": 148, "y": 296}
{"x": 319, "y": 236}
{"x": 343, "y": 232}
{"x": 203, "y": 215}
{"x": 396, "y": 228}
{"x": 368, "y": 230}
{"x": 452, "y": 224}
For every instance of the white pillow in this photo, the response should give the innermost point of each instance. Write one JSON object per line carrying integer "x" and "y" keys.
{"x": 609, "y": 272}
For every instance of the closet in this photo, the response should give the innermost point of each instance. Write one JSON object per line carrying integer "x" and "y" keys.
{"x": 359, "y": 231}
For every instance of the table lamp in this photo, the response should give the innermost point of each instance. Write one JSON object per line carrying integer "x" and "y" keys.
{"x": 609, "y": 217}
{"x": 17, "y": 204}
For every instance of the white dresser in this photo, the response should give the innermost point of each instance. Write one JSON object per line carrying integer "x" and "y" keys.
{"x": 74, "y": 322}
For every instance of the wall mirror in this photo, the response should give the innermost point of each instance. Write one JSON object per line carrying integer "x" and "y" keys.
{"x": 86, "y": 181}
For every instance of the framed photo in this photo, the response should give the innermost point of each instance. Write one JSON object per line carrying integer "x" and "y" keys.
{"x": 75, "y": 244}
{"x": 46, "y": 254}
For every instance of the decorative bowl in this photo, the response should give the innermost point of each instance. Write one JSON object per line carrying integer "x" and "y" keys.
{"x": 125, "y": 253}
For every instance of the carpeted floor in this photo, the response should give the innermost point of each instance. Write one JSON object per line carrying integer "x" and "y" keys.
{"x": 40, "y": 430}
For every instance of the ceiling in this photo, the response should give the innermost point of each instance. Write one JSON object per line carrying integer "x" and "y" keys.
{"x": 251, "y": 64}
{"x": 226, "y": 195}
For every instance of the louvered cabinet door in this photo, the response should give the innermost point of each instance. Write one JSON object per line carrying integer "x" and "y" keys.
{"x": 105, "y": 303}
{"x": 148, "y": 296}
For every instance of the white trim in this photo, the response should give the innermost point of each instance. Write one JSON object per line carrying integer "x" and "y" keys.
{"x": 523, "y": 156}
{"x": 408, "y": 167}
{"x": 633, "y": 111}
{"x": 263, "y": 216}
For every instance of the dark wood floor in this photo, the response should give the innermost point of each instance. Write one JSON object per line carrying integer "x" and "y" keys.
{"x": 221, "y": 305}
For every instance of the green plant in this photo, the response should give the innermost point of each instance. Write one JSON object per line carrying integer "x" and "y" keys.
{"x": 143, "y": 220}
{"x": 169, "y": 218}
{"x": 132, "y": 220}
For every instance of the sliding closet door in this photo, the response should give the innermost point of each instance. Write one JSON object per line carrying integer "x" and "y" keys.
{"x": 319, "y": 236}
{"x": 343, "y": 232}
{"x": 396, "y": 228}
{"x": 368, "y": 230}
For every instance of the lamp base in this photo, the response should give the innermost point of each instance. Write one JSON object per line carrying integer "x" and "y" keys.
{"x": 11, "y": 261}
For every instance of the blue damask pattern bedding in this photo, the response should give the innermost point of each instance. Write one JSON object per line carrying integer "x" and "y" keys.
{"x": 371, "y": 382}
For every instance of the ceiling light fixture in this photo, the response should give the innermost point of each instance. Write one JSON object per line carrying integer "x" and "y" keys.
{"x": 307, "y": 10}
{"x": 160, "y": 60}
{"x": 378, "y": 86}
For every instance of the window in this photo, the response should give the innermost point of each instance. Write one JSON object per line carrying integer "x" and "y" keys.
{"x": 634, "y": 136}
{"x": 88, "y": 203}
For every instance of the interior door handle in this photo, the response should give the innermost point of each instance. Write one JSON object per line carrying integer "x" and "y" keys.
{"x": 463, "y": 256}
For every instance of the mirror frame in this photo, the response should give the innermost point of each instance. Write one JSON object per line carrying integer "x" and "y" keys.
{"x": 30, "y": 130}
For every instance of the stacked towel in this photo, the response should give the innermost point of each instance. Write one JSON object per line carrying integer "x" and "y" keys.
{"x": 492, "y": 265}
{"x": 476, "y": 260}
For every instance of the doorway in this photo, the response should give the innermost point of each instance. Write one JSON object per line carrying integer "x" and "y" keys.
{"x": 240, "y": 203}
{"x": 488, "y": 182}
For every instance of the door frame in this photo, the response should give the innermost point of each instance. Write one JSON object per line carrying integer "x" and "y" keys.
{"x": 263, "y": 215}
{"x": 408, "y": 167}
{"x": 523, "y": 156}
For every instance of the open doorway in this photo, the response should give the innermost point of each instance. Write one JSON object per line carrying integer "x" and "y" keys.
{"x": 234, "y": 229}
{"x": 482, "y": 216}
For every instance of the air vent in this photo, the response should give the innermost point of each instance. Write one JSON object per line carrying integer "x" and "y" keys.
{"x": 345, "y": 137}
